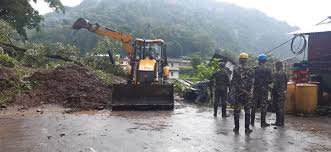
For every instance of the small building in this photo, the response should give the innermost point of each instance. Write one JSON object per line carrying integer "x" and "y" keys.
{"x": 319, "y": 51}
{"x": 174, "y": 68}
{"x": 174, "y": 65}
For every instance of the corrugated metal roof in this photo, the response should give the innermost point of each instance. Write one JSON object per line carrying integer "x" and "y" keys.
{"x": 320, "y": 28}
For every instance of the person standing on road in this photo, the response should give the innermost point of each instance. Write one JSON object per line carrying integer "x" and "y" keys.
{"x": 242, "y": 83}
{"x": 221, "y": 82}
{"x": 280, "y": 80}
{"x": 262, "y": 79}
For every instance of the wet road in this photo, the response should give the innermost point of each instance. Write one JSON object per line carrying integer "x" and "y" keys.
{"x": 186, "y": 129}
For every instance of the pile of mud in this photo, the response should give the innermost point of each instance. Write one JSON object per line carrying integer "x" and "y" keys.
{"x": 71, "y": 86}
{"x": 6, "y": 76}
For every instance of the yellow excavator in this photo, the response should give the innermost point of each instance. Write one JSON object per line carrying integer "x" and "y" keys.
{"x": 147, "y": 87}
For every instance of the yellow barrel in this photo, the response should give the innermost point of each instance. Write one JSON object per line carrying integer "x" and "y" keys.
{"x": 318, "y": 90}
{"x": 306, "y": 98}
{"x": 290, "y": 98}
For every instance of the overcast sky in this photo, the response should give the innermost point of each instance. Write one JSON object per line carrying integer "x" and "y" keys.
{"x": 295, "y": 12}
{"x": 300, "y": 13}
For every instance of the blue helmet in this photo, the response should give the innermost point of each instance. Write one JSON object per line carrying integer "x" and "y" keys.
{"x": 262, "y": 58}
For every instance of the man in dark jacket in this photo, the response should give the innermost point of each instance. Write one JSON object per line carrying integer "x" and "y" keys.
{"x": 262, "y": 79}
{"x": 221, "y": 81}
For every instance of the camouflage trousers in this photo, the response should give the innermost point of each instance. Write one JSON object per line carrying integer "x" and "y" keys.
{"x": 220, "y": 95}
{"x": 236, "y": 114}
{"x": 278, "y": 101}
{"x": 260, "y": 99}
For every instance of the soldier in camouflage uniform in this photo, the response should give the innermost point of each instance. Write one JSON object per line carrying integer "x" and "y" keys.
{"x": 278, "y": 93}
{"x": 221, "y": 81}
{"x": 262, "y": 79}
{"x": 242, "y": 82}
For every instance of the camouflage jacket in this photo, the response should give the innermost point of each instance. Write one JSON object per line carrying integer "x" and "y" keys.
{"x": 280, "y": 82}
{"x": 221, "y": 79}
{"x": 242, "y": 79}
{"x": 262, "y": 77}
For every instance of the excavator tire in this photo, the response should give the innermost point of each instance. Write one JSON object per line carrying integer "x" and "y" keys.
{"x": 142, "y": 97}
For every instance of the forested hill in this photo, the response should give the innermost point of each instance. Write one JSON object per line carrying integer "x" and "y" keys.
{"x": 188, "y": 26}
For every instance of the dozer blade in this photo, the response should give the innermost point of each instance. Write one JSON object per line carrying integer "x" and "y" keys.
{"x": 142, "y": 97}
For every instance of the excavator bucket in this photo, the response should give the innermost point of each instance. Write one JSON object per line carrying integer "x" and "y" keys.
{"x": 142, "y": 97}
{"x": 81, "y": 23}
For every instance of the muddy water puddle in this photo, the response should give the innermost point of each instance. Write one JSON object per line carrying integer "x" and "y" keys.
{"x": 184, "y": 129}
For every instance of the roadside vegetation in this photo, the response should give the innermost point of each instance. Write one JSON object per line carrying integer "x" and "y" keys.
{"x": 21, "y": 58}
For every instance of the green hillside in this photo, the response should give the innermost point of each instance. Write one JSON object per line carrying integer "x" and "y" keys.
{"x": 188, "y": 26}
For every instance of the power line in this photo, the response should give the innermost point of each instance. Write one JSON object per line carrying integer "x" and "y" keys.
{"x": 300, "y": 48}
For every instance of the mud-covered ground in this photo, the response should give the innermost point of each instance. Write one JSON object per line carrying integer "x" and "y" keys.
{"x": 71, "y": 86}
{"x": 186, "y": 129}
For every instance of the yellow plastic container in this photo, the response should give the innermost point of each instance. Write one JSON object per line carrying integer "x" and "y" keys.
{"x": 166, "y": 70}
{"x": 290, "y": 98}
{"x": 306, "y": 98}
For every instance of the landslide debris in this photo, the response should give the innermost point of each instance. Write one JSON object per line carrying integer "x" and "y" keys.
{"x": 71, "y": 86}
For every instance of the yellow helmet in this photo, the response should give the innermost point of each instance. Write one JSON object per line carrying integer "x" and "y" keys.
{"x": 243, "y": 56}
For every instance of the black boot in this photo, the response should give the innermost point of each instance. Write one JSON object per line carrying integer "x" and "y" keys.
{"x": 263, "y": 122}
{"x": 236, "y": 124}
{"x": 252, "y": 117}
{"x": 247, "y": 123}
{"x": 248, "y": 131}
{"x": 215, "y": 111}
{"x": 281, "y": 119}
{"x": 224, "y": 111}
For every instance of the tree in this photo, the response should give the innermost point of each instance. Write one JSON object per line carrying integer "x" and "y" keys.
{"x": 6, "y": 32}
{"x": 21, "y": 16}
{"x": 195, "y": 60}
{"x": 205, "y": 70}
{"x": 203, "y": 43}
{"x": 105, "y": 45}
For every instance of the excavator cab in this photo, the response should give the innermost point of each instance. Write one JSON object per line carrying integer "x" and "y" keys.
{"x": 149, "y": 58}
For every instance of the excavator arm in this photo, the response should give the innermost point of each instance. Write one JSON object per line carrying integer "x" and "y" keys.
{"x": 126, "y": 39}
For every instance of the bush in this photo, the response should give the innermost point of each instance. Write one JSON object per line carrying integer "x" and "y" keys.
{"x": 35, "y": 56}
{"x": 180, "y": 88}
{"x": 14, "y": 84}
{"x": 67, "y": 51}
{"x": 103, "y": 64}
{"x": 105, "y": 77}
{"x": 6, "y": 60}
{"x": 204, "y": 71}
{"x": 187, "y": 70}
